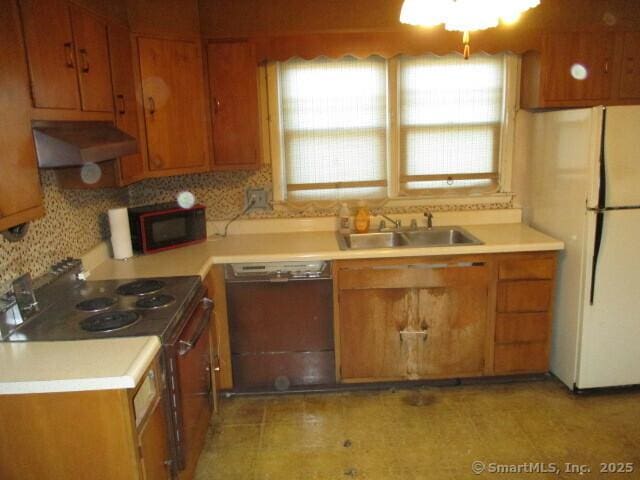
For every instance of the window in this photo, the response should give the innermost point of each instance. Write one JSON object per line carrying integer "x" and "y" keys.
{"x": 334, "y": 128}
{"x": 450, "y": 116}
{"x": 375, "y": 128}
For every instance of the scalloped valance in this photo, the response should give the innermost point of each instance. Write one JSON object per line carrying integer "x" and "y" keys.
{"x": 390, "y": 44}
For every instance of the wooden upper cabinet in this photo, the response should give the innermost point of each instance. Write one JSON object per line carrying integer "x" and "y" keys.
{"x": 124, "y": 99}
{"x": 581, "y": 69}
{"x": 630, "y": 69}
{"x": 50, "y": 48}
{"x": 173, "y": 93}
{"x": 21, "y": 197}
{"x": 92, "y": 56}
{"x": 233, "y": 84}
{"x": 68, "y": 56}
{"x": 569, "y": 53}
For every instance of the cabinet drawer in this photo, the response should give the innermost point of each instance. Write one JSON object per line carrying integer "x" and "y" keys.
{"x": 527, "y": 269}
{"x": 521, "y": 358}
{"x": 524, "y": 296}
{"x": 522, "y": 327}
{"x": 419, "y": 275}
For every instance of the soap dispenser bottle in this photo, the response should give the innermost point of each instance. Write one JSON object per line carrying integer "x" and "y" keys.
{"x": 344, "y": 219}
{"x": 362, "y": 219}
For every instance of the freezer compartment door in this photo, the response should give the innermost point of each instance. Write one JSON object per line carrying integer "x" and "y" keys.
{"x": 622, "y": 156}
{"x": 609, "y": 346}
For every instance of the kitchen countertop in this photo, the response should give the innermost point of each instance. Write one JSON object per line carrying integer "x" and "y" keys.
{"x": 45, "y": 367}
{"x": 39, "y": 367}
{"x": 198, "y": 259}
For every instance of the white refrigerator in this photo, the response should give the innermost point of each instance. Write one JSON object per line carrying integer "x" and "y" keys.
{"x": 583, "y": 184}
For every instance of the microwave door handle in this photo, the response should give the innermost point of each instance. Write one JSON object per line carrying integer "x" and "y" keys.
{"x": 185, "y": 345}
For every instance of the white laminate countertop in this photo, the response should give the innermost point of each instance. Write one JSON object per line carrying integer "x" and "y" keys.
{"x": 271, "y": 247}
{"x": 45, "y": 367}
{"x": 39, "y": 367}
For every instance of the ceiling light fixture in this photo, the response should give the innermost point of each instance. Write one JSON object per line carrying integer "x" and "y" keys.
{"x": 464, "y": 15}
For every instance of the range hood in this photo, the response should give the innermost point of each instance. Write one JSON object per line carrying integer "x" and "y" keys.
{"x": 69, "y": 144}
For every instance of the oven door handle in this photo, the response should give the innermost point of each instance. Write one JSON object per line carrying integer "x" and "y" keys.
{"x": 185, "y": 345}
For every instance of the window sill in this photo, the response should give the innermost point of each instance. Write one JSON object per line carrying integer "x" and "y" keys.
{"x": 444, "y": 202}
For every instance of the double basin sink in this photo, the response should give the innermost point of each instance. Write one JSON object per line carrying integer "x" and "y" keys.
{"x": 420, "y": 237}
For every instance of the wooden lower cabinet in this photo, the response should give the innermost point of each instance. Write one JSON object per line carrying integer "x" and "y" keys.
{"x": 101, "y": 434}
{"x": 523, "y": 320}
{"x": 455, "y": 318}
{"x": 222, "y": 378}
{"x": 443, "y": 317}
{"x": 412, "y": 319}
{"x": 154, "y": 449}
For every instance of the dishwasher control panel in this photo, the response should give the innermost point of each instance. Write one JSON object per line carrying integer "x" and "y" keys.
{"x": 277, "y": 271}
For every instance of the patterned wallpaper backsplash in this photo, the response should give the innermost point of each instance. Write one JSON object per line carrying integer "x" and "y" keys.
{"x": 223, "y": 195}
{"x": 74, "y": 222}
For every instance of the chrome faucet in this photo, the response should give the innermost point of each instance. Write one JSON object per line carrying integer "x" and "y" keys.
{"x": 396, "y": 223}
{"x": 429, "y": 216}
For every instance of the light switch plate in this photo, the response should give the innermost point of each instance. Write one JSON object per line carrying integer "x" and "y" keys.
{"x": 260, "y": 197}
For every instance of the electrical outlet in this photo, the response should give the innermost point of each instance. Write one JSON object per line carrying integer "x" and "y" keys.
{"x": 260, "y": 197}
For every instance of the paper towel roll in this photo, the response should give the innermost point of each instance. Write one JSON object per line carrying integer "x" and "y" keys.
{"x": 120, "y": 233}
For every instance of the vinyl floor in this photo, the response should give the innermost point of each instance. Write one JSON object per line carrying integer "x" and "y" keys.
{"x": 527, "y": 430}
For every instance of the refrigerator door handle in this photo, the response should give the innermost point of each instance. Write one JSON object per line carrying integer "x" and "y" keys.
{"x": 602, "y": 187}
{"x": 602, "y": 201}
{"x": 596, "y": 253}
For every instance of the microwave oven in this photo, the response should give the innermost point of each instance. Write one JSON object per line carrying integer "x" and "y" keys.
{"x": 163, "y": 226}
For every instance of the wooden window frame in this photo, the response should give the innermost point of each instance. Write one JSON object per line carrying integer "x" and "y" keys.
{"x": 500, "y": 192}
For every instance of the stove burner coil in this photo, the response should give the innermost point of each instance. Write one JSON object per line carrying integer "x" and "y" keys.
{"x": 155, "y": 301}
{"x": 140, "y": 287}
{"x": 96, "y": 304}
{"x": 109, "y": 321}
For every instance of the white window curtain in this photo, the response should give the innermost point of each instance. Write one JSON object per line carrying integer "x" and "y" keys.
{"x": 450, "y": 116}
{"x": 406, "y": 129}
{"x": 333, "y": 122}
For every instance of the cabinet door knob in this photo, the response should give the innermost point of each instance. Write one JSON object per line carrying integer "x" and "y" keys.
{"x": 152, "y": 105}
{"x": 84, "y": 57}
{"x": 216, "y": 105}
{"x": 606, "y": 66}
{"x": 68, "y": 54}
{"x": 121, "y": 104}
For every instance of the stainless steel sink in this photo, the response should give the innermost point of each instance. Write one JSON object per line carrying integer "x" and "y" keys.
{"x": 372, "y": 240}
{"x": 445, "y": 236}
{"x": 421, "y": 237}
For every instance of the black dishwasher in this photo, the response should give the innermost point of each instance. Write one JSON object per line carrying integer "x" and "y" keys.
{"x": 281, "y": 325}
